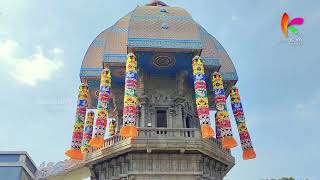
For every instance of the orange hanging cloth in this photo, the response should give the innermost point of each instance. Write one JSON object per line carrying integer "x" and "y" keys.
{"x": 200, "y": 90}
{"x": 223, "y": 121}
{"x": 75, "y": 151}
{"x": 129, "y": 128}
{"x": 246, "y": 144}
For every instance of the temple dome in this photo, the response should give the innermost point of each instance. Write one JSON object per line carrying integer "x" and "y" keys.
{"x": 155, "y": 26}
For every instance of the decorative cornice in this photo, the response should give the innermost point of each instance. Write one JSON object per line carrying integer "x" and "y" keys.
{"x": 54, "y": 169}
{"x": 117, "y": 29}
{"x": 164, "y": 43}
{"x": 114, "y": 58}
{"x": 229, "y": 76}
{"x": 98, "y": 43}
{"x": 211, "y": 61}
{"x": 90, "y": 72}
{"x": 157, "y": 17}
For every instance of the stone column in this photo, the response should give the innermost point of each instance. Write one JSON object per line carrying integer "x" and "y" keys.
{"x": 141, "y": 79}
{"x": 152, "y": 116}
{"x": 181, "y": 78}
{"x": 184, "y": 116}
{"x": 117, "y": 98}
{"x": 118, "y": 115}
{"x": 170, "y": 119}
{"x": 143, "y": 103}
{"x": 178, "y": 121}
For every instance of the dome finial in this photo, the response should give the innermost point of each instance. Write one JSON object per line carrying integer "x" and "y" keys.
{"x": 156, "y": 3}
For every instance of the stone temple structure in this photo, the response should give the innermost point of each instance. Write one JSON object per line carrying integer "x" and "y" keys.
{"x": 168, "y": 145}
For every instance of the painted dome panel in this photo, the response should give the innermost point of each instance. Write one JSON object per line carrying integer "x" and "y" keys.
{"x": 116, "y": 46}
{"x": 163, "y": 27}
{"x": 208, "y": 44}
{"x": 92, "y": 62}
{"x": 96, "y": 50}
{"x": 213, "y": 51}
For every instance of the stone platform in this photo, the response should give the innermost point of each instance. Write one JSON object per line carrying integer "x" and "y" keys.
{"x": 160, "y": 153}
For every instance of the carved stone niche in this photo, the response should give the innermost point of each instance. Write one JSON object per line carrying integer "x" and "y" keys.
{"x": 159, "y": 165}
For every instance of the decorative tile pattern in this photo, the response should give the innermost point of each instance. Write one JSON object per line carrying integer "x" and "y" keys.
{"x": 90, "y": 72}
{"x": 98, "y": 43}
{"x": 115, "y": 58}
{"x": 211, "y": 61}
{"x": 163, "y": 43}
{"x": 159, "y": 17}
{"x": 118, "y": 29}
{"x": 229, "y": 75}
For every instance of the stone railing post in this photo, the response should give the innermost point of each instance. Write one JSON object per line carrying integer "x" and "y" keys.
{"x": 197, "y": 134}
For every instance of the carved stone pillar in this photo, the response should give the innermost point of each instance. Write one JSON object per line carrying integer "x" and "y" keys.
{"x": 141, "y": 79}
{"x": 118, "y": 117}
{"x": 181, "y": 78}
{"x": 171, "y": 114}
{"x": 184, "y": 115}
{"x": 93, "y": 173}
{"x": 152, "y": 116}
{"x": 178, "y": 103}
{"x": 143, "y": 103}
{"x": 117, "y": 98}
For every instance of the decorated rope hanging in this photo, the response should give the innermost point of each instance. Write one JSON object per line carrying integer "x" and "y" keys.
{"x": 87, "y": 133}
{"x": 75, "y": 151}
{"x": 102, "y": 109}
{"x": 223, "y": 121}
{"x": 129, "y": 128}
{"x": 218, "y": 133}
{"x": 112, "y": 127}
{"x": 246, "y": 144}
{"x": 201, "y": 97}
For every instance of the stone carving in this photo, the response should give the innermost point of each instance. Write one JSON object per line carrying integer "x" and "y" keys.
{"x": 181, "y": 78}
{"x": 159, "y": 165}
{"x": 52, "y": 168}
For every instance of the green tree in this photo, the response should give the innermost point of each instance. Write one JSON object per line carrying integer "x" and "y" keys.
{"x": 287, "y": 178}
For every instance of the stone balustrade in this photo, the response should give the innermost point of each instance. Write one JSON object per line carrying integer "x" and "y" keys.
{"x": 164, "y": 134}
{"x": 169, "y": 133}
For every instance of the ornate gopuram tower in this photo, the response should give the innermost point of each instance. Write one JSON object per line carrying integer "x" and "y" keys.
{"x": 166, "y": 73}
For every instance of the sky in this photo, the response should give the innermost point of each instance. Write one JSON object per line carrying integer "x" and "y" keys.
{"x": 42, "y": 44}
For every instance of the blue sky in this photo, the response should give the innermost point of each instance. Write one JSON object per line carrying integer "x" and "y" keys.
{"x": 42, "y": 44}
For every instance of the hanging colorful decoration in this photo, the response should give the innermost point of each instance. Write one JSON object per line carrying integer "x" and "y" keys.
{"x": 129, "y": 128}
{"x": 102, "y": 109}
{"x": 246, "y": 144}
{"x": 77, "y": 136}
{"x": 87, "y": 133}
{"x": 112, "y": 127}
{"x": 218, "y": 133}
{"x": 201, "y": 97}
{"x": 223, "y": 121}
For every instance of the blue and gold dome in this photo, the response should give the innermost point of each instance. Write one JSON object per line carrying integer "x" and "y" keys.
{"x": 164, "y": 40}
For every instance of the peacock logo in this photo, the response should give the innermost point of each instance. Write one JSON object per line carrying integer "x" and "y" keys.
{"x": 285, "y": 24}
